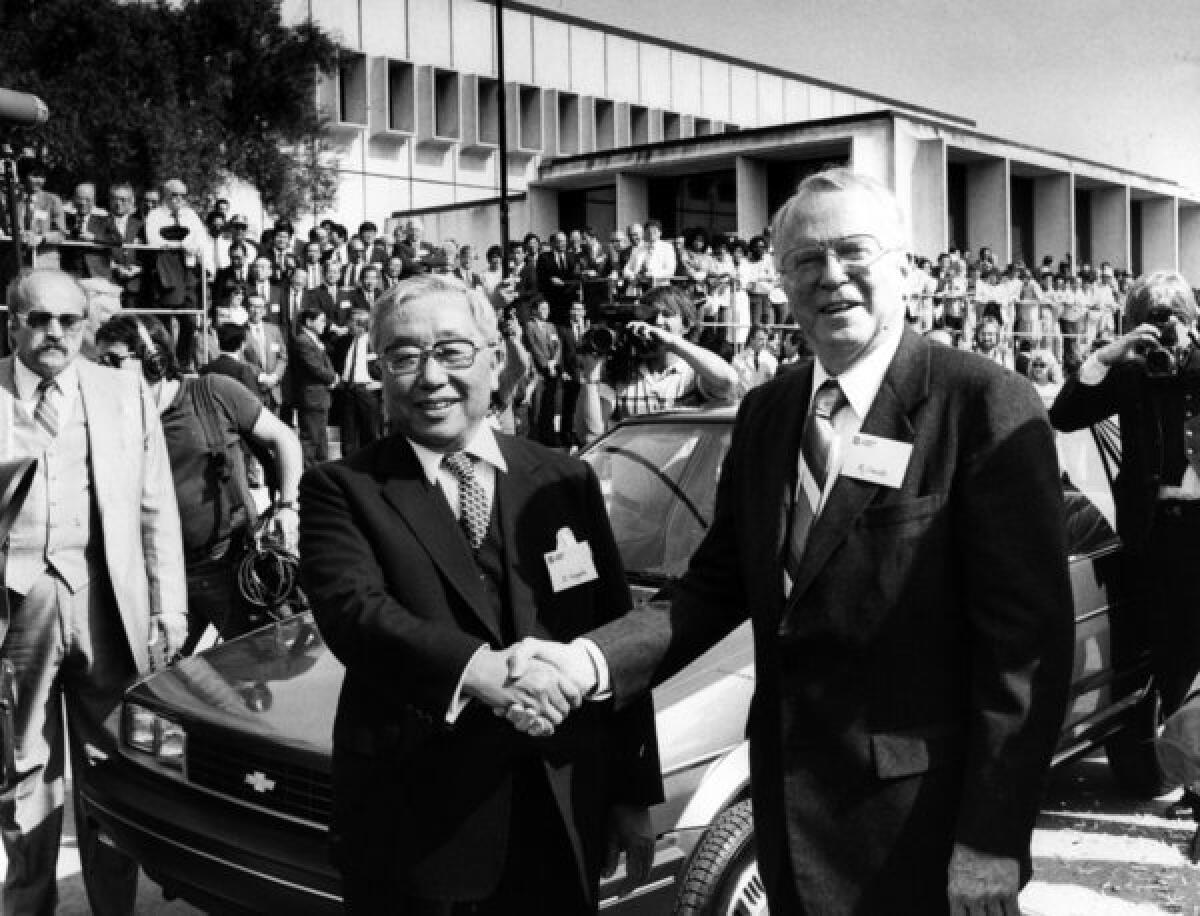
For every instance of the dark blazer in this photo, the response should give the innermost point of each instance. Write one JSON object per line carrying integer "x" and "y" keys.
{"x": 321, "y": 298}
{"x": 1139, "y": 403}
{"x": 236, "y": 369}
{"x": 570, "y": 350}
{"x": 911, "y": 688}
{"x": 227, "y": 277}
{"x": 559, "y": 297}
{"x": 311, "y": 373}
{"x": 91, "y": 262}
{"x": 399, "y": 601}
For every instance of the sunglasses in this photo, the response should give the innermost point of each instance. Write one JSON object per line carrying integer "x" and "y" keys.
{"x": 39, "y": 320}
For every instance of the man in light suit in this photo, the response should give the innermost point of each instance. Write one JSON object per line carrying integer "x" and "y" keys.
{"x": 93, "y": 578}
{"x": 424, "y": 556}
{"x": 890, "y": 518}
{"x": 266, "y": 351}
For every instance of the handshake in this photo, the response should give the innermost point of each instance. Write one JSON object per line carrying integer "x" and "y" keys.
{"x": 534, "y": 684}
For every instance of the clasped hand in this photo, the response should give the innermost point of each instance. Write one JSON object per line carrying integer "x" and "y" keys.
{"x": 534, "y": 685}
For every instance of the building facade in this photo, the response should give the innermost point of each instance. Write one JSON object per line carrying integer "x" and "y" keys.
{"x": 605, "y": 127}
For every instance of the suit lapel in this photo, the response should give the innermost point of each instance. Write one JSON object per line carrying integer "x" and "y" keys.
{"x": 101, "y": 409}
{"x": 905, "y": 384}
{"x": 8, "y": 386}
{"x": 424, "y": 509}
{"x": 513, "y": 491}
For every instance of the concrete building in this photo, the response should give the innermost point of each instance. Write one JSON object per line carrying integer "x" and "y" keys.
{"x": 605, "y": 127}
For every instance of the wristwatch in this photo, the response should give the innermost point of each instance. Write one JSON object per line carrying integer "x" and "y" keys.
{"x": 287, "y": 504}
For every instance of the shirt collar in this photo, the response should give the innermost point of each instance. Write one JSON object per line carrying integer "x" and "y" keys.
{"x": 27, "y": 380}
{"x": 860, "y": 383}
{"x": 482, "y": 446}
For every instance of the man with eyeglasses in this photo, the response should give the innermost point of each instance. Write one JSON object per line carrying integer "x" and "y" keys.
{"x": 93, "y": 579}
{"x": 890, "y": 517}
{"x": 425, "y": 555}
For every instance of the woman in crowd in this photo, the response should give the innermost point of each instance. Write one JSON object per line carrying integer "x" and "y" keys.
{"x": 721, "y": 270}
{"x": 744, "y": 273}
{"x": 205, "y": 421}
{"x": 1045, "y": 374}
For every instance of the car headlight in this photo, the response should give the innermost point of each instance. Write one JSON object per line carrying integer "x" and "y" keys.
{"x": 156, "y": 735}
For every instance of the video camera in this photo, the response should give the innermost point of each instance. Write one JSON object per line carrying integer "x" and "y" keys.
{"x": 1169, "y": 356}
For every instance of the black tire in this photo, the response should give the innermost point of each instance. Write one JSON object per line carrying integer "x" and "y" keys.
{"x": 722, "y": 877}
{"x": 1131, "y": 754}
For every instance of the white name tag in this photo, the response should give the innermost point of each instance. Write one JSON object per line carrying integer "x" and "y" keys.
{"x": 876, "y": 460}
{"x": 571, "y": 564}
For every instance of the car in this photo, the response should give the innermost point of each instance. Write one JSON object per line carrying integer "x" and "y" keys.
{"x": 222, "y": 788}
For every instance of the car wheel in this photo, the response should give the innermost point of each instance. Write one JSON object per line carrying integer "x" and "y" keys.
{"x": 1131, "y": 755}
{"x": 722, "y": 876}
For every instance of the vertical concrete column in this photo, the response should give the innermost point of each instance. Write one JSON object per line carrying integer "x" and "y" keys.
{"x": 1160, "y": 234}
{"x": 871, "y": 154}
{"x": 1110, "y": 226}
{"x": 1189, "y": 242}
{"x": 1054, "y": 216}
{"x": 751, "y": 184}
{"x": 543, "y": 210}
{"x": 633, "y": 198}
{"x": 989, "y": 217}
{"x": 922, "y": 189}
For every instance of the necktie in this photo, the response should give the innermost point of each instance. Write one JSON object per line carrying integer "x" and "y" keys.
{"x": 46, "y": 411}
{"x": 473, "y": 509}
{"x": 351, "y": 362}
{"x": 816, "y": 445}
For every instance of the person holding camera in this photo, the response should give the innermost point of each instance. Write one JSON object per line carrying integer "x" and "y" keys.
{"x": 664, "y": 369}
{"x": 1150, "y": 378}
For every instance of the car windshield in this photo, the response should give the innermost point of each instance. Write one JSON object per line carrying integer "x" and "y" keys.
{"x": 660, "y": 482}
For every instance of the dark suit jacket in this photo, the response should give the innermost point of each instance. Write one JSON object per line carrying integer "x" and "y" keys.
{"x": 911, "y": 688}
{"x": 559, "y": 297}
{"x": 399, "y": 601}
{"x": 1139, "y": 403}
{"x": 311, "y": 373}
{"x": 227, "y": 277}
{"x": 91, "y": 262}
{"x": 236, "y": 369}
{"x": 570, "y": 350}
{"x": 324, "y": 300}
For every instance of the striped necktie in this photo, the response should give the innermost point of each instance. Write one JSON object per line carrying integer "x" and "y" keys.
{"x": 46, "y": 412}
{"x": 473, "y": 508}
{"x": 816, "y": 445}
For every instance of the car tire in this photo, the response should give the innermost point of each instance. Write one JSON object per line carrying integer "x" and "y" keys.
{"x": 1131, "y": 754}
{"x": 722, "y": 876}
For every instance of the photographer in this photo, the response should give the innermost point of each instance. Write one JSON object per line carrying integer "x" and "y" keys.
{"x": 1150, "y": 377}
{"x": 660, "y": 368}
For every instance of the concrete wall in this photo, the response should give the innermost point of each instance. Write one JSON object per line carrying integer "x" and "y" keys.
{"x": 1189, "y": 243}
{"x": 988, "y": 208}
{"x": 752, "y": 215}
{"x": 925, "y": 197}
{"x": 633, "y": 198}
{"x": 1110, "y": 226}
{"x": 1160, "y": 234}
{"x": 1054, "y": 215}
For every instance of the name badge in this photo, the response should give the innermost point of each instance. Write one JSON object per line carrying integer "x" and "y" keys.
{"x": 877, "y": 460}
{"x": 571, "y": 563}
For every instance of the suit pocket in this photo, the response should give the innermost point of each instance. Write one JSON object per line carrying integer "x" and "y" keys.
{"x": 905, "y": 513}
{"x": 912, "y": 751}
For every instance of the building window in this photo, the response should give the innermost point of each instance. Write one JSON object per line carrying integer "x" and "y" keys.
{"x": 352, "y": 88}
{"x": 568, "y": 124}
{"x": 606, "y": 124}
{"x": 672, "y": 125}
{"x": 401, "y": 97}
{"x": 639, "y": 125}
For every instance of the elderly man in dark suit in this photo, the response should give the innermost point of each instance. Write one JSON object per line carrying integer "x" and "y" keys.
{"x": 890, "y": 518}
{"x": 425, "y": 555}
{"x": 94, "y": 234}
{"x": 558, "y": 277}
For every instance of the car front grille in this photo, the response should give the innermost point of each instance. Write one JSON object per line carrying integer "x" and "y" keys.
{"x": 260, "y": 779}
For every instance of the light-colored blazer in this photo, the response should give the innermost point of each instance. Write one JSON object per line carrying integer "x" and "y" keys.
{"x": 134, "y": 492}
{"x": 273, "y": 362}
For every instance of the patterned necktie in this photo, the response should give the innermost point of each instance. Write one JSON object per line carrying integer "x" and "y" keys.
{"x": 473, "y": 509}
{"x": 46, "y": 411}
{"x": 816, "y": 445}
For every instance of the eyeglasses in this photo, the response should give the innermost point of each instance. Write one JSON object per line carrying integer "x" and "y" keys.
{"x": 39, "y": 320}
{"x": 855, "y": 253}
{"x": 449, "y": 354}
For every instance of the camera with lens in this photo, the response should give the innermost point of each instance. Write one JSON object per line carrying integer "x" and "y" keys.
{"x": 1169, "y": 355}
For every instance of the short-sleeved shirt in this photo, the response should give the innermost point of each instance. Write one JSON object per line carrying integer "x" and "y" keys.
{"x": 651, "y": 392}
{"x": 187, "y": 447}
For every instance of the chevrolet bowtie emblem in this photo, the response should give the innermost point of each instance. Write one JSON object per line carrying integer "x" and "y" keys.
{"x": 259, "y": 782}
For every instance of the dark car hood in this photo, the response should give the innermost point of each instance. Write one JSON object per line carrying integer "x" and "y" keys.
{"x": 279, "y": 684}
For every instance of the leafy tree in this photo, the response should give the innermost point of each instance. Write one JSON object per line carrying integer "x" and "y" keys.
{"x": 199, "y": 90}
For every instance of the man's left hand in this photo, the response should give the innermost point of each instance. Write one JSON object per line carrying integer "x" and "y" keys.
{"x": 980, "y": 884}
{"x": 288, "y": 523}
{"x": 630, "y": 831}
{"x": 168, "y": 632}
